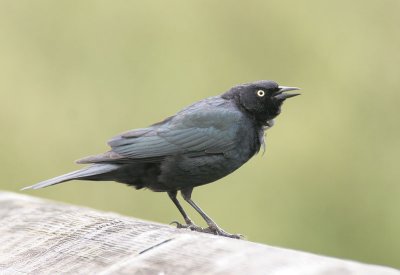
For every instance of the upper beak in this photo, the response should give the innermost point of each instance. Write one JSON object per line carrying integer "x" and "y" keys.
{"x": 281, "y": 96}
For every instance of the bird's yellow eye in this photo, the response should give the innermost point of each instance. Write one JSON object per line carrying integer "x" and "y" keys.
{"x": 260, "y": 93}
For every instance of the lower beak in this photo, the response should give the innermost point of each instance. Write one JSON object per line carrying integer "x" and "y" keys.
{"x": 281, "y": 96}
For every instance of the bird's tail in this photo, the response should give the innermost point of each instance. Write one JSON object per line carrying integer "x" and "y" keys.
{"x": 88, "y": 173}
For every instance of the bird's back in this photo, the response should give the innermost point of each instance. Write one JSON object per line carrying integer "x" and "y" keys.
{"x": 239, "y": 136}
{"x": 200, "y": 144}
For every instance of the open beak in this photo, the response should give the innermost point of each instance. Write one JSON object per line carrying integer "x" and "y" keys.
{"x": 281, "y": 96}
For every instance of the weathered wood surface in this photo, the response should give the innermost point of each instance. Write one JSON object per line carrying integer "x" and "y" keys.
{"x": 43, "y": 237}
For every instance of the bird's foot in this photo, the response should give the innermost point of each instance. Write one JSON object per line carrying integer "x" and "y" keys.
{"x": 214, "y": 229}
{"x": 189, "y": 225}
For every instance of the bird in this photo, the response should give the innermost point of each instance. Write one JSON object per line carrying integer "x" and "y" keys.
{"x": 200, "y": 144}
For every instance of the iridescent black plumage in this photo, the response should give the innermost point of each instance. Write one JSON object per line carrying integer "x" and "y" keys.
{"x": 200, "y": 144}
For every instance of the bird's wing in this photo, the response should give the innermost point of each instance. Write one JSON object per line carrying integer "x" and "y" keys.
{"x": 202, "y": 132}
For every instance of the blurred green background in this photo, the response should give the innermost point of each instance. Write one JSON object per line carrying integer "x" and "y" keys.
{"x": 75, "y": 73}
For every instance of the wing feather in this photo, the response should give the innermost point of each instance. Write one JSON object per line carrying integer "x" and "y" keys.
{"x": 214, "y": 131}
{"x": 198, "y": 130}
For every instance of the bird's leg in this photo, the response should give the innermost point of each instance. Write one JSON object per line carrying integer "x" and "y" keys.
{"x": 212, "y": 226}
{"x": 188, "y": 221}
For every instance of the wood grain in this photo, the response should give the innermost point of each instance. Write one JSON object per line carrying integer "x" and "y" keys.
{"x": 44, "y": 237}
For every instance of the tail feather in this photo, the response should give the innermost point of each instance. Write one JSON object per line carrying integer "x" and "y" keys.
{"x": 96, "y": 169}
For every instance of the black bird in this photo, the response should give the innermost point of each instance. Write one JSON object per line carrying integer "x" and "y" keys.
{"x": 200, "y": 144}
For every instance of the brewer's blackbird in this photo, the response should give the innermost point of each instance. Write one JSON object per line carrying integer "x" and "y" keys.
{"x": 200, "y": 144}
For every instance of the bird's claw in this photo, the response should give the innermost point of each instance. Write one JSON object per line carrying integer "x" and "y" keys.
{"x": 212, "y": 229}
{"x": 178, "y": 224}
{"x": 190, "y": 226}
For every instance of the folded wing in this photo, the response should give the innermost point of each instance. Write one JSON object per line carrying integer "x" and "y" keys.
{"x": 206, "y": 131}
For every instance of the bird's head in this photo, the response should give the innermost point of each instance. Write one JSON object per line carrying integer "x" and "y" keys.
{"x": 261, "y": 99}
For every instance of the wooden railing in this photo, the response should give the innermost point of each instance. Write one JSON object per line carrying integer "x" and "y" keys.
{"x": 43, "y": 237}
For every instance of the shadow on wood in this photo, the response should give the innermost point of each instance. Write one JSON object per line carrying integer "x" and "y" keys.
{"x": 44, "y": 237}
